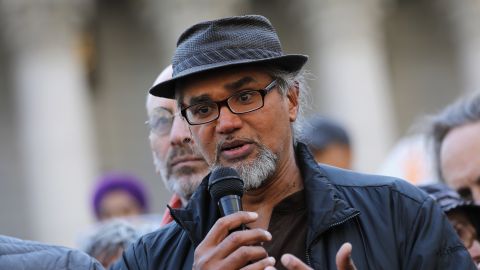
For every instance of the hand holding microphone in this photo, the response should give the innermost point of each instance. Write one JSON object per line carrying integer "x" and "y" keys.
{"x": 226, "y": 188}
{"x": 229, "y": 246}
{"x": 226, "y": 247}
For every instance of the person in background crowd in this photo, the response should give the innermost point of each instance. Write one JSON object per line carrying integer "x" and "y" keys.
{"x": 119, "y": 195}
{"x": 181, "y": 168}
{"x": 411, "y": 160}
{"x": 455, "y": 133}
{"x": 108, "y": 239}
{"x": 463, "y": 215}
{"x": 329, "y": 142}
{"x": 242, "y": 97}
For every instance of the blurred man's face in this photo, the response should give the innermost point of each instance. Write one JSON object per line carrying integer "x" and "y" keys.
{"x": 180, "y": 167}
{"x": 255, "y": 143}
{"x": 460, "y": 160}
{"x": 467, "y": 233}
{"x": 335, "y": 154}
{"x": 118, "y": 203}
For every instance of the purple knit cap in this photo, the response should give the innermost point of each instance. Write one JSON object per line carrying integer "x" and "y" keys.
{"x": 119, "y": 181}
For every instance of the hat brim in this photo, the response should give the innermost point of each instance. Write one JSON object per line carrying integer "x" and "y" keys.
{"x": 290, "y": 63}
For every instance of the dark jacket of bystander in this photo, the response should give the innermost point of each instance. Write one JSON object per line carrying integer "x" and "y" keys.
{"x": 17, "y": 254}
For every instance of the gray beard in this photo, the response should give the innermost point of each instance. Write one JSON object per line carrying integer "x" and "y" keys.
{"x": 187, "y": 186}
{"x": 184, "y": 182}
{"x": 255, "y": 173}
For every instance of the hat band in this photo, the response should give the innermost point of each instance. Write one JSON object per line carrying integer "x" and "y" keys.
{"x": 223, "y": 55}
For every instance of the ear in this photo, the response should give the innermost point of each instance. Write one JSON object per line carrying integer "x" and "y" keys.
{"x": 293, "y": 96}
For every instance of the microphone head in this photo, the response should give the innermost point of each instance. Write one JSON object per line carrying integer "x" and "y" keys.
{"x": 224, "y": 181}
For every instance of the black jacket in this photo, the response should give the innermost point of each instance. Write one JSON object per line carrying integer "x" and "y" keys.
{"x": 390, "y": 223}
{"x": 16, "y": 254}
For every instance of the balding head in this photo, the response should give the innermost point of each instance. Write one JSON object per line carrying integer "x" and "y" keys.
{"x": 152, "y": 100}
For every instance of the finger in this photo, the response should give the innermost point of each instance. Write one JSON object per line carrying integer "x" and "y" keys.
{"x": 224, "y": 225}
{"x": 242, "y": 238}
{"x": 243, "y": 256}
{"x": 270, "y": 268}
{"x": 293, "y": 263}
{"x": 265, "y": 263}
{"x": 343, "y": 258}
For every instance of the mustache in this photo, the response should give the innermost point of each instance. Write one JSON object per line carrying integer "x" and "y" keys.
{"x": 179, "y": 151}
{"x": 230, "y": 138}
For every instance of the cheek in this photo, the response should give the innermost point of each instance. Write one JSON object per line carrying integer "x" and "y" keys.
{"x": 204, "y": 141}
{"x": 159, "y": 146}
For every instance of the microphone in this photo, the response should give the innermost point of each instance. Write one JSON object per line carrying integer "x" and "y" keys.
{"x": 226, "y": 189}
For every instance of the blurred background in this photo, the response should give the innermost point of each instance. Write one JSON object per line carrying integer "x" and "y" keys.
{"x": 74, "y": 76}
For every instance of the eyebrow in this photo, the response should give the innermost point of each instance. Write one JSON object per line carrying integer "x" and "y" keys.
{"x": 199, "y": 99}
{"x": 157, "y": 108}
{"x": 232, "y": 86}
{"x": 239, "y": 83}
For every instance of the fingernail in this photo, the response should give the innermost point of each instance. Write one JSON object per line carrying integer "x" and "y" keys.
{"x": 268, "y": 234}
{"x": 252, "y": 215}
{"x": 271, "y": 259}
{"x": 286, "y": 260}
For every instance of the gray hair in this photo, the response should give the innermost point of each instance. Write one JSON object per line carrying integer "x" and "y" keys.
{"x": 108, "y": 238}
{"x": 464, "y": 111}
{"x": 288, "y": 81}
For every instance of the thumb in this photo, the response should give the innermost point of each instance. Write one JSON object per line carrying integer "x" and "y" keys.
{"x": 343, "y": 258}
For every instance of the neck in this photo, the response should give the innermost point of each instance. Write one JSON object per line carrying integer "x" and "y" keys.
{"x": 184, "y": 201}
{"x": 285, "y": 181}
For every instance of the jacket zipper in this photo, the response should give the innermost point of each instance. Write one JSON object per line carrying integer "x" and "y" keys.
{"x": 309, "y": 251}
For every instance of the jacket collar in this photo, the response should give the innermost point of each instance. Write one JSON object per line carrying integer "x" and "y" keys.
{"x": 325, "y": 206}
{"x": 199, "y": 215}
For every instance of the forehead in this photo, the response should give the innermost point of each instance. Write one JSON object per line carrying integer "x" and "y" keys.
{"x": 218, "y": 82}
{"x": 460, "y": 153}
{"x": 462, "y": 143}
{"x": 154, "y": 102}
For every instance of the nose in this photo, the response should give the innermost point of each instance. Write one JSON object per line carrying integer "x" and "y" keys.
{"x": 179, "y": 134}
{"x": 227, "y": 121}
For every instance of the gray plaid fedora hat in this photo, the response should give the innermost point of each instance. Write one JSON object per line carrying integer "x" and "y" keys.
{"x": 227, "y": 42}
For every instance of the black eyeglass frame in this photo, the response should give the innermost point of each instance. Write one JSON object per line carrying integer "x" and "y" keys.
{"x": 263, "y": 92}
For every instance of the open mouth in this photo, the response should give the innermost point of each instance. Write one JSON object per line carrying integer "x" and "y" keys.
{"x": 232, "y": 146}
{"x": 235, "y": 149}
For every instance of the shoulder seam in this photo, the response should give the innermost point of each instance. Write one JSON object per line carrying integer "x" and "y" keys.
{"x": 389, "y": 186}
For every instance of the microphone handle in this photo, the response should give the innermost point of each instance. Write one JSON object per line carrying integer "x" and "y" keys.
{"x": 231, "y": 204}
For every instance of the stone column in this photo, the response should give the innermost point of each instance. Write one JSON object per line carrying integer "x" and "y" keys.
{"x": 53, "y": 114}
{"x": 352, "y": 84}
{"x": 464, "y": 18}
{"x": 170, "y": 18}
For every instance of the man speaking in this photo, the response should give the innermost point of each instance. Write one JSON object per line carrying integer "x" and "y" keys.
{"x": 242, "y": 97}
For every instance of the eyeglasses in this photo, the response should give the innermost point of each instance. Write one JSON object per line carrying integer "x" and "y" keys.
{"x": 241, "y": 102}
{"x": 160, "y": 121}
